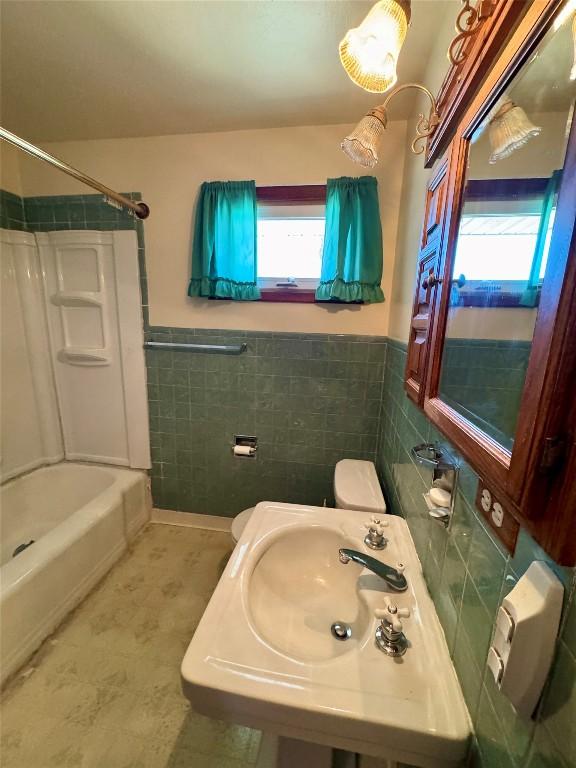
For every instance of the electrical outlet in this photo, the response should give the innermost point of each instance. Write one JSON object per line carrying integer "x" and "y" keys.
{"x": 497, "y": 515}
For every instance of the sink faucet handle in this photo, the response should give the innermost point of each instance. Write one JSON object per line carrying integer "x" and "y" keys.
{"x": 392, "y": 615}
{"x": 375, "y": 526}
{"x": 375, "y": 538}
{"x": 389, "y": 635}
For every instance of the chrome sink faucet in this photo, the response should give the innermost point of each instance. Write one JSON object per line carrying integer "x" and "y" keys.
{"x": 393, "y": 577}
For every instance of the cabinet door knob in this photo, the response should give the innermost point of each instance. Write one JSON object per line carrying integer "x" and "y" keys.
{"x": 431, "y": 281}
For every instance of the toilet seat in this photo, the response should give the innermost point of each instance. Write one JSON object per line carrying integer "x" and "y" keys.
{"x": 240, "y": 522}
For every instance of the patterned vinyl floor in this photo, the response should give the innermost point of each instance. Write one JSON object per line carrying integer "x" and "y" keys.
{"x": 104, "y": 690}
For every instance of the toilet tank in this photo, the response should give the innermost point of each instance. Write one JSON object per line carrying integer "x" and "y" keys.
{"x": 356, "y": 486}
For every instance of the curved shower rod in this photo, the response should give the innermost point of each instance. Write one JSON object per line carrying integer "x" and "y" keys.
{"x": 139, "y": 209}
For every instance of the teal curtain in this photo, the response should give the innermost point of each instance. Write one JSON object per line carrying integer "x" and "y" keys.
{"x": 224, "y": 244}
{"x": 352, "y": 255}
{"x": 529, "y": 297}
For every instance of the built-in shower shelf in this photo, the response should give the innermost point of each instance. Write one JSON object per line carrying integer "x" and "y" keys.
{"x": 76, "y": 299}
{"x": 79, "y": 356}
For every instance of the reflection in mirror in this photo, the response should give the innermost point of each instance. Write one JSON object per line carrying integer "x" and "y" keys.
{"x": 513, "y": 176}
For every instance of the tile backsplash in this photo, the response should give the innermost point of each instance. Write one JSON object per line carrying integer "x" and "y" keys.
{"x": 57, "y": 212}
{"x": 309, "y": 399}
{"x": 11, "y": 211}
{"x": 484, "y": 379}
{"x": 468, "y": 573}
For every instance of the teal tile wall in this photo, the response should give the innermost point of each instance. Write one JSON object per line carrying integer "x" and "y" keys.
{"x": 484, "y": 379}
{"x": 468, "y": 573}
{"x": 57, "y": 212}
{"x": 11, "y": 211}
{"x": 310, "y": 399}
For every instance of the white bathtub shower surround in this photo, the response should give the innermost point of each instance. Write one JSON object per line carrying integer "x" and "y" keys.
{"x": 92, "y": 291}
{"x": 29, "y": 417}
{"x": 73, "y": 374}
{"x": 81, "y": 519}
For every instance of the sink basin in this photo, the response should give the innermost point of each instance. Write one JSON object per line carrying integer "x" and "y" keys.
{"x": 264, "y": 654}
{"x": 299, "y": 589}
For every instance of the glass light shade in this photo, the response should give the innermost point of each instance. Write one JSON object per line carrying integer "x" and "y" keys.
{"x": 361, "y": 145}
{"x": 510, "y": 129}
{"x": 369, "y": 53}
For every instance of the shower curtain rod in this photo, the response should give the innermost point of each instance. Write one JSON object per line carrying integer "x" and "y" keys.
{"x": 140, "y": 209}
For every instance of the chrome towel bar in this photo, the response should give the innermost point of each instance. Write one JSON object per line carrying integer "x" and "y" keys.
{"x": 214, "y": 349}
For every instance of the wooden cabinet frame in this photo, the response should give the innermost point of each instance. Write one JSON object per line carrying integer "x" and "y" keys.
{"x": 539, "y": 492}
{"x": 426, "y": 287}
{"x": 463, "y": 79}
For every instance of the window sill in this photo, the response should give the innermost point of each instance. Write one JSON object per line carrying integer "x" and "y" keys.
{"x": 288, "y": 295}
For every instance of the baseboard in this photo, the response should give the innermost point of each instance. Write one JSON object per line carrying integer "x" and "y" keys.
{"x": 191, "y": 520}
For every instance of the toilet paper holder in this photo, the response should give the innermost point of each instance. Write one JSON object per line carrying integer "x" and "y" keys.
{"x": 245, "y": 446}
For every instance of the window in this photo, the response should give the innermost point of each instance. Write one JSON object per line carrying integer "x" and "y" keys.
{"x": 498, "y": 241}
{"x": 497, "y": 248}
{"x": 290, "y": 239}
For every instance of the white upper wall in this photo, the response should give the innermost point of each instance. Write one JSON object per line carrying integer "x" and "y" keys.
{"x": 10, "y": 179}
{"x": 168, "y": 171}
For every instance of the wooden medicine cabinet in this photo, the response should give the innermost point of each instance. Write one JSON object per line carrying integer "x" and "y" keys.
{"x": 492, "y": 348}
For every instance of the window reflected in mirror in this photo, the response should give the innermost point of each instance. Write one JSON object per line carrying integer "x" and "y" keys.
{"x": 505, "y": 240}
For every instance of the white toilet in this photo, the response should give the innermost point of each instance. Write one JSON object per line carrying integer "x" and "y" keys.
{"x": 356, "y": 486}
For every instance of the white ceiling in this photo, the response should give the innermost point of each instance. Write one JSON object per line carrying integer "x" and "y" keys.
{"x": 85, "y": 69}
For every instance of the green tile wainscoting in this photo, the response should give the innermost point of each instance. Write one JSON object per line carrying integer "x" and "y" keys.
{"x": 484, "y": 379}
{"x": 310, "y": 399}
{"x": 49, "y": 213}
{"x": 11, "y": 211}
{"x": 468, "y": 573}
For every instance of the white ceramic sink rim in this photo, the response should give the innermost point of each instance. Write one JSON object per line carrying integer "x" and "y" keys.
{"x": 360, "y": 700}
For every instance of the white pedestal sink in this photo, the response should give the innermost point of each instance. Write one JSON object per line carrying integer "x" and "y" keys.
{"x": 264, "y": 654}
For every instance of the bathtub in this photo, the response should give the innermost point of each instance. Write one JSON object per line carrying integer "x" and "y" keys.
{"x": 81, "y": 518}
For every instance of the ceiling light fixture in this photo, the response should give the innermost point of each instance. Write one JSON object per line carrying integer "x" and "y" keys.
{"x": 361, "y": 145}
{"x": 509, "y": 129}
{"x": 468, "y": 23}
{"x": 369, "y": 53}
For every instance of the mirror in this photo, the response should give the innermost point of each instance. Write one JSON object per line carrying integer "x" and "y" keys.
{"x": 502, "y": 252}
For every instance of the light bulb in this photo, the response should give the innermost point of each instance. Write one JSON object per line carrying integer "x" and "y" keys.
{"x": 369, "y": 53}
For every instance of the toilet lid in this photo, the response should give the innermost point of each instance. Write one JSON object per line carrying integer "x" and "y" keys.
{"x": 240, "y": 522}
{"x": 356, "y": 486}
